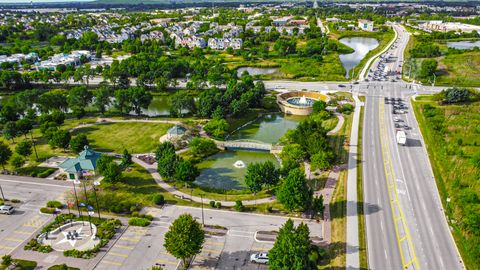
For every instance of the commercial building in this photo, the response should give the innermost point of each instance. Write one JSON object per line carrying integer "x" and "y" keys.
{"x": 365, "y": 25}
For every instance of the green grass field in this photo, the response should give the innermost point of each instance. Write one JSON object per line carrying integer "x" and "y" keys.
{"x": 452, "y": 136}
{"x": 460, "y": 69}
{"x": 114, "y": 137}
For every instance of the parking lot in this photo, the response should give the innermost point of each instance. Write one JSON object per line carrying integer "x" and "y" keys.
{"x": 141, "y": 248}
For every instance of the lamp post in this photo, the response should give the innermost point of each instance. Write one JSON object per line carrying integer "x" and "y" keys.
{"x": 89, "y": 217}
{"x": 76, "y": 199}
{"x": 95, "y": 183}
{"x": 1, "y": 190}
{"x": 203, "y": 220}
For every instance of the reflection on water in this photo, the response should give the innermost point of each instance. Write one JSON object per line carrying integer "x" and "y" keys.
{"x": 219, "y": 171}
{"x": 256, "y": 70}
{"x": 463, "y": 45}
{"x": 267, "y": 128}
{"x": 361, "y": 45}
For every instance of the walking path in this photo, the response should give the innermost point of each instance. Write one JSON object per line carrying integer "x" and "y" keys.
{"x": 353, "y": 254}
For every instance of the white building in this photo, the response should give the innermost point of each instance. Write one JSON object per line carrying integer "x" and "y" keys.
{"x": 365, "y": 25}
{"x": 449, "y": 26}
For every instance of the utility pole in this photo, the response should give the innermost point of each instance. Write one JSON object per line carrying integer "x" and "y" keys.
{"x": 203, "y": 220}
{"x": 3, "y": 197}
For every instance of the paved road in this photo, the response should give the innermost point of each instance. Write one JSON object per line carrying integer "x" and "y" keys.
{"x": 405, "y": 224}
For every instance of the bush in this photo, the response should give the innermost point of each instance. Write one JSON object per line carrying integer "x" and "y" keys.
{"x": 141, "y": 222}
{"x": 239, "y": 206}
{"x": 212, "y": 204}
{"x": 35, "y": 246}
{"x": 6, "y": 260}
{"x": 134, "y": 214}
{"x": 54, "y": 204}
{"x": 218, "y": 205}
{"x": 62, "y": 267}
{"x": 202, "y": 147}
{"x": 15, "y": 200}
{"x": 158, "y": 199}
{"x": 47, "y": 210}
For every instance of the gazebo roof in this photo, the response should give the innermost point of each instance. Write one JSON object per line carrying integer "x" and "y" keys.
{"x": 177, "y": 130}
{"x": 86, "y": 161}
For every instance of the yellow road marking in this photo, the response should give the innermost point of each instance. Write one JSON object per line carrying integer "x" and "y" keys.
{"x": 22, "y": 232}
{"x": 5, "y": 247}
{"x": 166, "y": 262}
{"x": 14, "y": 239}
{"x": 122, "y": 246}
{"x": 118, "y": 254}
{"x": 261, "y": 249}
{"x": 214, "y": 243}
{"x": 110, "y": 262}
{"x": 393, "y": 195}
{"x": 136, "y": 240}
{"x": 212, "y": 250}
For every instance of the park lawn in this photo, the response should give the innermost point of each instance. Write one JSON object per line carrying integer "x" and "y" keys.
{"x": 460, "y": 69}
{"x": 308, "y": 69}
{"x": 330, "y": 124}
{"x": 22, "y": 265}
{"x": 115, "y": 137}
{"x": 361, "y": 217}
{"x": 456, "y": 177}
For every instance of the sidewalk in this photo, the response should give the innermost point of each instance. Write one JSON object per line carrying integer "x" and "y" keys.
{"x": 353, "y": 254}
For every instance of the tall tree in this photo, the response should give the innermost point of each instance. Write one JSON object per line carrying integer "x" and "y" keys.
{"x": 102, "y": 99}
{"x": 180, "y": 102}
{"x": 294, "y": 193}
{"x": 10, "y": 131}
{"x": 122, "y": 100}
{"x": 187, "y": 231}
{"x": 139, "y": 99}
{"x": 186, "y": 171}
{"x": 79, "y": 142}
{"x": 60, "y": 139}
{"x": 24, "y": 148}
{"x": 253, "y": 177}
{"x": 292, "y": 248}
{"x": 317, "y": 206}
{"x": 5, "y": 154}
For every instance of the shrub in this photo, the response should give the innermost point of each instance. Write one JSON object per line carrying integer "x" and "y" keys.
{"x": 141, "y": 222}
{"x": 202, "y": 147}
{"x": 15, "y": 201}
{"x": 218, "y": 205}
{"x": 134, "y": 214}
{"x": 54, "y": 204}
{"x": 35, "y": 246}
{"x": 6, "y": 260}
{"x": 239, "y": 206}
{"x": 149, "y": 217}
{"x": 212, "y": 204}
{"x": 47, "y": 210}
{"x": 158, "y": 199}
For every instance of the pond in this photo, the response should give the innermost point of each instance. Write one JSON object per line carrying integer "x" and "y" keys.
{"x": 219, "y": 171}
{"x": 256, "y": 70}
{"x": 159, "y": 106}
{"x": 267, "y": 128}
{"x": 464, "y": 44}
{"x": 361, "y": 45}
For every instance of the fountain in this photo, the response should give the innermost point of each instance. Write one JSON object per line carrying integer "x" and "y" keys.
{"x": 303, "y": 101}
{"x": 239, "y": 164}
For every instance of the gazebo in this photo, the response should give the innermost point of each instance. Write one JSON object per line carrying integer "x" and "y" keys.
{"x": 176, "y": 131}
{"x": 84, "y": 164}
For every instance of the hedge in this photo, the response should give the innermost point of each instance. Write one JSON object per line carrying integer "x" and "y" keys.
{"x": 140, "y": 222}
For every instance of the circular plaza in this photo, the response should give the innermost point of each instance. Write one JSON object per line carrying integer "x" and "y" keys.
{"x": 299, "y": 102}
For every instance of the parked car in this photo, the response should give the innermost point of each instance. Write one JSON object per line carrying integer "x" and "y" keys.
{"x": 7, "y": 209}
{"x": 259, "y": 258}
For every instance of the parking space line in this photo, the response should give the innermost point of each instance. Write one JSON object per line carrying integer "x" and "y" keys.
{"x": 214, "y": 243}
{"x": 122, "y": 246}
{"x": 137, "y": 232}
{"x": 136, "y": 240}
{"x": 117, "y": 254}
{"x": 166, "y": 262}
{"x": 261, "y": 249}
{"x": 112, "y": 263}
{"x": 5, "y": 247}
{"x": 212, "y": 250}
{"x": 13, "y": 239}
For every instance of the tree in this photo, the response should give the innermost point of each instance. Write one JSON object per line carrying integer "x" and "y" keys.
{"x": 17, "y": 161}
{"x": 292, "y": 152}
{"x": 322, "y": 160}
{"x": 53, "y": 100}
{"x": 270, "y": 173}
{"x": 167, "y": 164}
{"x": 164, "y": 148}
{"x": 187, "y": 231}
{"x": 186, "y": 171}
{"x": 218, "y": 128}
{"x": 24, "y": 126}
{"x": 139, "y": 99}
{"x": 428, "y": 68}
{"x": 202, "y": 147}
{"x": 103, "y": 162}
{"x": 102, "y": 99}
{"x": 319, "y": 106}
{"x": 294, "y": 193}
{"x": 317, "y": 206}
{"x": 291, "y": 248}
{"x": 10, "y": 131}
{"x": 112, "y": 172}
{"x": 253, "y": 177}
{"x": 79, "y": 142}
{"x": 78, "y": 98}
{"x": 122, "y": 100}
{"x": 126, "y": 159}
{"x": 180, "y": 102}
{"x": 5, "y": 154}
{"x": 24, "y": 148}
{"x": 60, "y": 139}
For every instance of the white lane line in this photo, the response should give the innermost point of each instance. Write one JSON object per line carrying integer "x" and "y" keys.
{"x": 32, "y": 183}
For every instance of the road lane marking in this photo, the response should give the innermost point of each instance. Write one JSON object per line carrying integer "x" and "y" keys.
{"x": 13, "y": 239}
{"x": 212, "y": 250}
{"x": 122, "y": 246}
{"x": 118, "y": 254}
{"x": 5, "y": 247}
{"x": 393, "y": 197}
{"x": 136, "y": 240}
{"x": 111, "y": 262}
{"x": 260, "y": 249}
{"x": 166, "y": 262}
{"x": 214, "y": 243}
{"x": 22, "y": 232}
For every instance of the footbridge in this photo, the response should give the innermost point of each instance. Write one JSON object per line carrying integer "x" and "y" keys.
{"x": 249, "y": 145}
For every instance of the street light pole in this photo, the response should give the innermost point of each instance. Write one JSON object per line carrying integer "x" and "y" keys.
{"x": 3, "y": 197}
{"x": 96, "y": 199}
{"x": 203, "y": 220}
{"x": 89, "y": 217}
{"x": 76, "y": 199}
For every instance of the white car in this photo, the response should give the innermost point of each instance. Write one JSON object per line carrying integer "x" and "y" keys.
{"x": 6, "y": 209}
{"x": 259, "y": 258}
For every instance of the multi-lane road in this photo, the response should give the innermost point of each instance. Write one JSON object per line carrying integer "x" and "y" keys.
{"x": 405, "y": 224}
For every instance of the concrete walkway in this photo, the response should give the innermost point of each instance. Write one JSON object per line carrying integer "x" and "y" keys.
{"x": 339, "y": 125}
{"x": 353, "y": 254}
